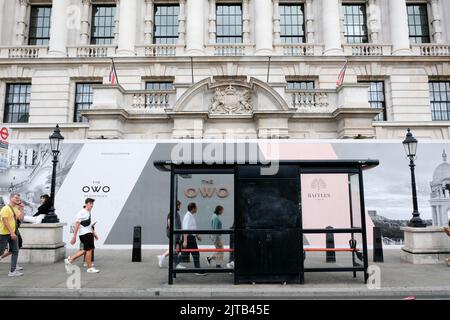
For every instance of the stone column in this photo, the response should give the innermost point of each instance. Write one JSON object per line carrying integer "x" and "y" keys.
{"x": 58, "y": 29}
{"x": 85, "y": 23}
{"x": 245, "y": 22}
{"x": 127, "y": 28}
{"x": 399, "y": 27}
{"x": 21, "y": 22}
{"x": 182, "y": 23}
{"x": 276, "y": 23}
{"x": 148, "y": 24}
{"x": 117, "y": 23}
{"x": 331, "y": 27}
{"x": 436, "y": 22}
{"x": 263, "y": 27}
{"x": 212, "y": 22}
{"x": 309, "y": 22}
{"x": 195, "y": 27}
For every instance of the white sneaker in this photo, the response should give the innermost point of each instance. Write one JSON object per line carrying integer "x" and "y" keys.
{"x": 160, "y": 261}
{"x": 230, "y": 265}
{"x": 180, "y": 266}
{"x": 19, "y": 268}
{"x": 67, "y": 265}
{"x": 15, "y": 273}
{"x": 92, "y": 270}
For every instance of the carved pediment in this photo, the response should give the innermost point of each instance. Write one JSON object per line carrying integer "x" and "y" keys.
{"x": 230, "y": 100}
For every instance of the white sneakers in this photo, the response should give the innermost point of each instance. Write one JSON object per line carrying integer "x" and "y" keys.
{"x": 230, "y": 265}
{"x": 67, "y": 264}
{"x": 92, "y": 270}
{"x": 180, "y": 266}
{"x": 15, "y": 273}
{"x": 160, "y": 261}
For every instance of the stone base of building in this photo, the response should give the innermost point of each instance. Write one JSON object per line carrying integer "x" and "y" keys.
{"x": 42, "y": 243}
{"x": 429, "y": 245}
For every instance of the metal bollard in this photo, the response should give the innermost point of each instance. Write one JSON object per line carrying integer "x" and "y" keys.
{"x": 331, "y": 255}
{"x": 137, "y": 243}
{"x": 377, "y": 245}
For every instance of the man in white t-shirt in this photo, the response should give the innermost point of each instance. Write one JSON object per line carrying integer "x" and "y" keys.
{"x": 190, "y": 240}
{"x": 83, "y": 227}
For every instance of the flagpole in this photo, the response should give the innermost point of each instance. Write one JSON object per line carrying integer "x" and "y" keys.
{"x": 115, "y": 72}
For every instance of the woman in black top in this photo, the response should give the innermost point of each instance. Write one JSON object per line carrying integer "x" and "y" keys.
{"x": 45, "y": 205}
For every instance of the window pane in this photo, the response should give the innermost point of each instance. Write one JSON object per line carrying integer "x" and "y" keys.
{"x": 229, "y": 23}
{"x": 39, "y": 31}
{"x": 292, "y": 23}
{"x": 166, "y": 24}
{"x": 440, "y": 100}
{"x": 17, "y": 102}
{"x": 418, "y": 23}
{"x": 83, "y": 100}
{"x": 377, "y": 98}
{"x": 102, "y": 31}
{"x": 355, "y": 23}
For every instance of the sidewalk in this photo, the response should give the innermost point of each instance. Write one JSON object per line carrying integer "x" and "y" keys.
{"x": 120, "y": 278}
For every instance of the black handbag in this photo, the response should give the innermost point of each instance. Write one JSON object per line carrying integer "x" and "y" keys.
{"x": 86, "y": 223}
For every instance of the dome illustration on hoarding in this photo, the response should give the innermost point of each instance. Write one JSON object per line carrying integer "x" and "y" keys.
{"x": 440, "y": 193}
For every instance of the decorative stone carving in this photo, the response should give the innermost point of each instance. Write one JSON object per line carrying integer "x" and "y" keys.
{"x": 231, "y": 101}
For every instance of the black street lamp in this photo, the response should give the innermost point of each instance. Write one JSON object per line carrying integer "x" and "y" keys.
{"x": 410, "y": 145}
{"x": 55, "y": 140}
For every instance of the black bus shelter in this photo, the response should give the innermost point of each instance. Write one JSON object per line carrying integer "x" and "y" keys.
{"x": 268, "y": 228}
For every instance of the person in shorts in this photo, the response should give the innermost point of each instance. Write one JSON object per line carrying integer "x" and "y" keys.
{"x": 83, "y": 227}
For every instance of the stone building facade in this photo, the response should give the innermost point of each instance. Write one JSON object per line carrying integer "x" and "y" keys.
{"x": 216, "y": 69}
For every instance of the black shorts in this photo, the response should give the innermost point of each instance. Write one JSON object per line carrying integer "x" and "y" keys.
{"x": 88, "y": 241}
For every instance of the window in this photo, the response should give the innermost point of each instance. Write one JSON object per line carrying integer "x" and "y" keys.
{"x": 377, "y": 99}
{"x": 300, "y": 85}
{"x": 39, "y": 26}
{"x": 440, "y": 100}
{"x": 17, "y": 104}
{"x": 229, "y": 23}
{"x": 166, "y": 24}
{"x": 83, "y": 100}
{"x": 355, "y": 23}
{"x": 418, "y": 23}
{"x": 158, "y": 86}
{"x": 292, "y": 23}
{"x": 103, "y": 24}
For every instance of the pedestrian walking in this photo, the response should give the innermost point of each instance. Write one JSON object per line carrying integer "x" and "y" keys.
{"x": 8, "y": 229}
{"x": 216, "y": 224}
{"x": 19, "y": 219}
{"x": 177, "y": 240}
{"x": 190, "y": 240}
{"x": 83, "y": 227}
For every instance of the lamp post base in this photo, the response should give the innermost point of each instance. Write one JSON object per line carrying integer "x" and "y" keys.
{"x": 50, "y": 218}
{"x": 416, "y": 222}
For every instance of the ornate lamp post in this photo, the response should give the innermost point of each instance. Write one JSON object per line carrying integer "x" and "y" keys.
{"x": 55, "y": 140}
{"x": 410, "y": 145}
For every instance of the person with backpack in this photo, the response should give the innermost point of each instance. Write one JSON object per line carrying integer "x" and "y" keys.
{"x": 177, "y": 240}
{"x": 8, "y": 232}
{"x": 83, "y": 227}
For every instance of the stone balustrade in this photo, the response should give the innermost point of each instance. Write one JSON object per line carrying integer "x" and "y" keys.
{"x": 302, "y": 49}
{"x": 230, "y": 49}
{"x": 23, "y": 52}
{"x": 159, "y": 50}
{"x": 92, "y": 51}
{"x": 313, "y": 101}
{"x": 431, "y": 50}
{"x": 148, "y": 101}
{"x": 367, "y": 49}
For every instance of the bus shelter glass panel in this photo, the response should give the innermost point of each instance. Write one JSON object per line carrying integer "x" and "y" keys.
{"x": 331, "y": 201}
{"x": 213, "y": 196}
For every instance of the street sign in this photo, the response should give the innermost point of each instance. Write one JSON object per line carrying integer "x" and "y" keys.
{"x": 5, "y": 134}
